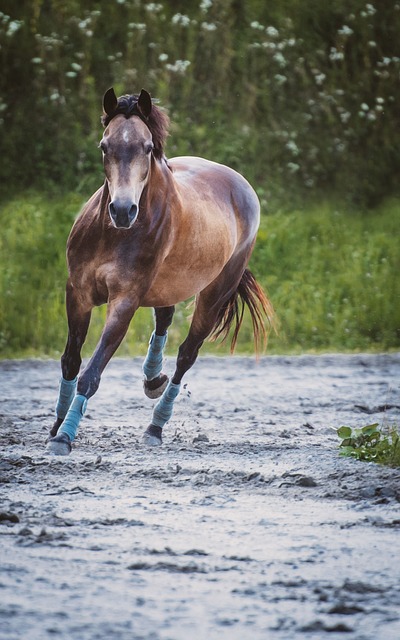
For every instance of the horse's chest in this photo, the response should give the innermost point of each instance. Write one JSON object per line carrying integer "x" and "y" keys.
{"x": 107, "y": 277}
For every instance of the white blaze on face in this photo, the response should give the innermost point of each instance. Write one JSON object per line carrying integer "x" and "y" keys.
{"x": 127, "y": 183}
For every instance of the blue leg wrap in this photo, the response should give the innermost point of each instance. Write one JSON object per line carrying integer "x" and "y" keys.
{"x": 153, "y": 362}
{"x": 73, "y": 417}
{"x": 164, "y": 407}
{"x": 65, "y": 396}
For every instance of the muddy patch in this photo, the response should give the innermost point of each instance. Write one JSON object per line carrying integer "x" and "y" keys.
{"x": 245, "y": 524}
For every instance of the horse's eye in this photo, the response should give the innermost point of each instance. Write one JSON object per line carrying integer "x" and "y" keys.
{"x": 149, "y": 147}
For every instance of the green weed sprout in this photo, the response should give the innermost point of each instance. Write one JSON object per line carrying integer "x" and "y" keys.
{"x": 371, "y": 444}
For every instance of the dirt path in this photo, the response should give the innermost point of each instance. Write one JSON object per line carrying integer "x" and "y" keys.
{"x": 246, "y": 524}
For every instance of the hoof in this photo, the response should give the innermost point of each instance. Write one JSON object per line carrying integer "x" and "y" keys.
{"x": 152, "y": 436}
{"x": 60, "y": 445}
{"x": 154, "y": 388}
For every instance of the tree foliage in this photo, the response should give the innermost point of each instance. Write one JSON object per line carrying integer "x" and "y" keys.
{"x": 299, "y": 96}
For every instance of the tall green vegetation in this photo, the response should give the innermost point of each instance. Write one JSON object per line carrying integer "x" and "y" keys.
{"x": 301, "y": 96}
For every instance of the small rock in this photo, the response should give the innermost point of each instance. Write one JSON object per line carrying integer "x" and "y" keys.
{"x": 253, "y": 476}
{"x": 306, "y": 481}
{"x": 201, "y": 437}
{"x": 345, "y": 609}
{"x": 8, "y": 517}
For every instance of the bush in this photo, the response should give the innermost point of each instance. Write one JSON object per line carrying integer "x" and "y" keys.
{"x": 302, "y": 98}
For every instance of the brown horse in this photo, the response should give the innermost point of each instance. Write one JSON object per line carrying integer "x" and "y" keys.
{"x": 156, "y": 233}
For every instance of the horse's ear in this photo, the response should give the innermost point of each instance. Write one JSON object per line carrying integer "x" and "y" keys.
{"x": 110, "y": 102}
{"x": 144, "y": 103}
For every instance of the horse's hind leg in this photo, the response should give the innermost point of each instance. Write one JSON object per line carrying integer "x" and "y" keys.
{"x": 208, "y": 306}
{"x": 155, "y": 381}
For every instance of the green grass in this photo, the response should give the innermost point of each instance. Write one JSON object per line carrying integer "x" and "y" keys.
{"x": 332, "y": 275}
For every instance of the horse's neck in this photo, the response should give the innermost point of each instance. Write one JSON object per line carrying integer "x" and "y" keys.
{"x": 161, "y": 184}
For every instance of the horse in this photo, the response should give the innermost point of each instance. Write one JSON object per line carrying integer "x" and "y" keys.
{"x": 157, "y": 232}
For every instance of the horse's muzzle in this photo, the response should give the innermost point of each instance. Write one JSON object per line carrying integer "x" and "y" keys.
{"x": 123, "y": 214}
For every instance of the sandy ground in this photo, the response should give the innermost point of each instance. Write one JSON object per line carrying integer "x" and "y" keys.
{"x": 246, "y": 524}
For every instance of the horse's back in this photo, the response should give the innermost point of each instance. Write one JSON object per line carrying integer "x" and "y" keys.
{"x": 218, "y": 183}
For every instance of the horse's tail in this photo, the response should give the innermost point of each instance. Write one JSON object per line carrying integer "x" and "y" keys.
{"x": 262, "y": 313}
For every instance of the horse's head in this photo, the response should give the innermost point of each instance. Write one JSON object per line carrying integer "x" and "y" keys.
{"x": 127, "y": 146}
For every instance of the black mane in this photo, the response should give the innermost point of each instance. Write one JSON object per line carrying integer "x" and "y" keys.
{"x": 157, "y": 122}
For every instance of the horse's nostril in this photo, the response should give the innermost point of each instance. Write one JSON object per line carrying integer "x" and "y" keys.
{"x": 132, "y": 212}
{"x": 112, "y": 211}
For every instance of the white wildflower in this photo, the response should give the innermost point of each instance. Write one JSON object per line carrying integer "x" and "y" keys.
{"x": 272, "y": 32}
{"x": 319, "y": 78}
{"x": 345, "y": 31}
{"x": 14, "y": 26}
{"x": 279, "y": 58}
{"x": 292, "y": 147}
{"x": 163, "y": 57}
{"x": 153, "y": 7}
{"x": 280, "y": 79}
{"x": 256, "y": 25}
{"x": 335, "y": 54}
{"x": 205, "y": 5}
{"x": 208, "y": 26}
{"x": 180, "y": 18}
{"x": 293, "y": 167}
{"x": 269, "y": 45}
{"x": 370, "y": 9}
{"x": 179, "y": 66}
{"x": 364, "y": 106}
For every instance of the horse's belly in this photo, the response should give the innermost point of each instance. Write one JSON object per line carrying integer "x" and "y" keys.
{"x": 170, "y": 288}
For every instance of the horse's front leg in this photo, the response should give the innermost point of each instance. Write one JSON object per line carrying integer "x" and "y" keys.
{"x": 154, "y": 380}
{"x": 78, "y": 316}
{"x": 119, "y": 315}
